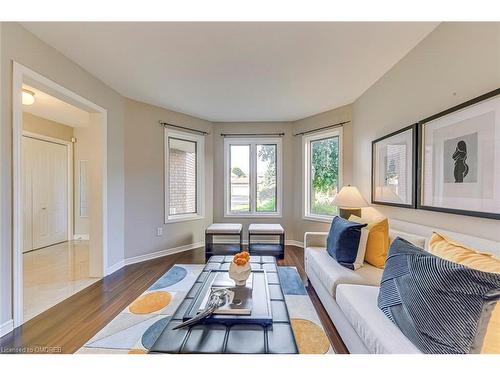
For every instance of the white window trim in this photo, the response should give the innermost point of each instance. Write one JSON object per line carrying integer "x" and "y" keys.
{"x": 200, "y": 176}
{"x": 253, "y": 142}
{"x": 306, "y": 149}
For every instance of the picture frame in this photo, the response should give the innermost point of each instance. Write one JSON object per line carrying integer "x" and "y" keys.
{"x": 459, "y": 159}
{"x": 394, "y": 160}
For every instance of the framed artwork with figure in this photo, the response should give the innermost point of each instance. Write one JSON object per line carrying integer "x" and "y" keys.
{"x": 393, "y": 168}
{"x": 459, "y": 163}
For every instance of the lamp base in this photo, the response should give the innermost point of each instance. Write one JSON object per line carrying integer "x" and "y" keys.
{"x": 345, "y": 213}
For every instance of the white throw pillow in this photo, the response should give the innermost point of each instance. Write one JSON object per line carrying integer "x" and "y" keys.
{"x": 360, "y": 257}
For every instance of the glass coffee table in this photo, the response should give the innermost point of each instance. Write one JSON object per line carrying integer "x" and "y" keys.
{"x": 268, "y": 331}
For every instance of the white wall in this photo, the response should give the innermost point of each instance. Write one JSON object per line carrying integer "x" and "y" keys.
{"x": 42, "y": 126}
{"x": 82, "y": 150}
{"x": 89, "y": 147}
{"x": 144, "y": 182}
{"x": 456, "y": 62}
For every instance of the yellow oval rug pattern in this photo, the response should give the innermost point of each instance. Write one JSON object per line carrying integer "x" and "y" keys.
{"x": 310, "y": 338}
{"x": 150, "y": 302}
{"x": 137, "y": 351}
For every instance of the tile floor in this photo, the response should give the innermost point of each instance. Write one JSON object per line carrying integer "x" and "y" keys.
{"x": 54, "y": 273}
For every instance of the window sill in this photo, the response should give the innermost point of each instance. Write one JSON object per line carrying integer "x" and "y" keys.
{"x": 181, "y": 218}
{"x": 321, "y": 219}
{"x": 253, "y": 216}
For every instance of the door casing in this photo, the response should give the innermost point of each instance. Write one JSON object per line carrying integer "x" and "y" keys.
{"x": 20, "y": 74}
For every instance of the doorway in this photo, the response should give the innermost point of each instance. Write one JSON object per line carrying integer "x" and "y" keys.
{"x": 60, "y": 188}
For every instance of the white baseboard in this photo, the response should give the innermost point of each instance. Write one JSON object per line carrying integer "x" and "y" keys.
{"x": 6, "y": 327}
{"x": 162, "y": 253}
{"x": 83, "y": 237}
{"x": 115, "y": 267}
{"x": 294, "y": 243}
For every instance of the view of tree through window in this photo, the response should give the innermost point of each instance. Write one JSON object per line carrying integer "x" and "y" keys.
{"x": 266, "y": 178}
{"x": 324, "y": 175}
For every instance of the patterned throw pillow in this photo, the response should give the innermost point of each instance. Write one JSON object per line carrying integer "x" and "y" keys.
{"x": 343, "y": 241}
{"x": 453, "y": 251}
{"x": 442, "y": 307}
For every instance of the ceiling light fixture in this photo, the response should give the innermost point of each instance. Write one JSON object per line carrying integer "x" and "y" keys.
{"x": 28, "y": 97}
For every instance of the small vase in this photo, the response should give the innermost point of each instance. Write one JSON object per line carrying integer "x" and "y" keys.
{"x": 239, "y": 274}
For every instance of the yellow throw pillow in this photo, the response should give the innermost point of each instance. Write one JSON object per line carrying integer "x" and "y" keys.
{"x": 453, "y": 251}
{"x": 378, "y": 240}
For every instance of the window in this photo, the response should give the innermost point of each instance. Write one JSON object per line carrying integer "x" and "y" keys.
{"x": 183, "y": 176}
{"x": 252, "y": 176}
{"x": 323, "y": 173}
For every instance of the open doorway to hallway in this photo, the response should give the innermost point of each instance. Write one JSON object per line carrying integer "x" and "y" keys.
{"x": 59, "y": 197}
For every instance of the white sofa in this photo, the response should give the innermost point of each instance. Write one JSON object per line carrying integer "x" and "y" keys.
{"x": 350, "y": 297}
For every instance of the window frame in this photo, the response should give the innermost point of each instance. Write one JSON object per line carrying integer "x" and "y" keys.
{"x": 306, "y": 171}
{"x": 199, "y": 141}
{"x": 252, "y": 142}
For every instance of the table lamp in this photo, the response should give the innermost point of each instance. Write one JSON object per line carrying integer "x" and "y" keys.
{"x": 349, "y": 201}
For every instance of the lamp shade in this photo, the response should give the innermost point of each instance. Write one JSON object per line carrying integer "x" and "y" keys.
{"x": 349, "y": 197}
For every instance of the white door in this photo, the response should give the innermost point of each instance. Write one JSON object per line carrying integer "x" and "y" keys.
{"x": 45, "y": 176}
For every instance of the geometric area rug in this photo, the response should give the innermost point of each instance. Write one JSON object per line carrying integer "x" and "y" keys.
{"x": 136, "y": 328}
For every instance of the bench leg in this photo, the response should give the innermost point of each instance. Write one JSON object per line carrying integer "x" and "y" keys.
{"x": 208, "y": 245}
{"x": 282, "y": 245}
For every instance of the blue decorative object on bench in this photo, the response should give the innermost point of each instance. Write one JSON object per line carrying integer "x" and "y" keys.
{"x": 343, "y": 241}
{"x": 442, "y": 307}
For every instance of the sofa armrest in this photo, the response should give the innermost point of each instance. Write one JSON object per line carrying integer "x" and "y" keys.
{"x": 317, "y": 239}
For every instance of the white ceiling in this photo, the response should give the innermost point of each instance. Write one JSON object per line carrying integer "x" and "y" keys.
{"x": 51, "y": 108}
{"x": 237, "y": 71}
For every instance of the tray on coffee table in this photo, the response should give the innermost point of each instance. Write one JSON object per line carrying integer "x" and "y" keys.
{"x": 261, "y": 302}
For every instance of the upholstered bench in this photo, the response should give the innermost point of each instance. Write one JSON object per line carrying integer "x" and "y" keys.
{"x": 261, "y": 248}
{"x": 222, "y": 229}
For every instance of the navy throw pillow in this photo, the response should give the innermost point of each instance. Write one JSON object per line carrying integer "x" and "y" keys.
{"x": 343, "y": 241}
{"x": 442, "y": 307}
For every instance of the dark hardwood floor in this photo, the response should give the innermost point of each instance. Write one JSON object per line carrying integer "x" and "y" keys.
{"x": 67, "y": 326}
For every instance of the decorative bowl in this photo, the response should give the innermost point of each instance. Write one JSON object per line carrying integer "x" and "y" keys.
{"x": 239, "y": 269}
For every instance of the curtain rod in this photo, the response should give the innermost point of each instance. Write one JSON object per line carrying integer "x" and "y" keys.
{"x": 166, "y": 124}
{"x": 323, "y": 127}
{"x": 242, "y": 135}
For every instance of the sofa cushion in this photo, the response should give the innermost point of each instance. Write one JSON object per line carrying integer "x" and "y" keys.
{"x": 224, "y": 228}
{"x": 331, "y": 274}
{"x": 378, "y": 333}
{"x": 441, "y": 306}
{"x": 265, "y": 229}
{"x": 343, "y": 241}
